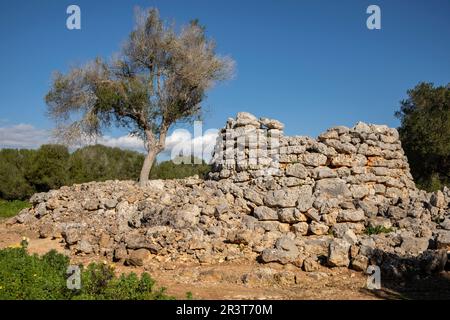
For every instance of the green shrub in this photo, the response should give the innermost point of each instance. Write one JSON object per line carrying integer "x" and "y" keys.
{"x": 24, "y": 172}
{"x": 100, "y": 163}
{"x": 48, "y": 167}
{"x": 13, "y": 164}
{"x": 24, "y": 276}
{"x": 186, "y": 168}
{"x": 378, "y": 230}
{"x": 11, "y": 208}
{"x": 424, "y": 132}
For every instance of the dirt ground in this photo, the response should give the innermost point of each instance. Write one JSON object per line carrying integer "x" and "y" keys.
{"x": 251, "y": 280}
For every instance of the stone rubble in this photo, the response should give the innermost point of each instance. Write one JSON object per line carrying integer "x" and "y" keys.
{"x": 345, "y": 199}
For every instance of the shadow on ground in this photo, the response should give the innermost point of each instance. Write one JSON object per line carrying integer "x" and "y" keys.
{"x": 426, "y": 277}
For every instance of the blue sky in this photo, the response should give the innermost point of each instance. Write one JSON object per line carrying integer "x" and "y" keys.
{"x": 310, "y": 64}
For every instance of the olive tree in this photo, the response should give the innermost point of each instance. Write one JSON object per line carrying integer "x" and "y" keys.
{"x": 157, "y": 79}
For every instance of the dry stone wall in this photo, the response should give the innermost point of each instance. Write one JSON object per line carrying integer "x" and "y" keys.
{"x": 345, "y": 199}
{"x": 368, "y": 159}
{"x": 346, "y": 175}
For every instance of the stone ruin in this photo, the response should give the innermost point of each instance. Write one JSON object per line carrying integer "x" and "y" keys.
{"x": 345, "y": 199}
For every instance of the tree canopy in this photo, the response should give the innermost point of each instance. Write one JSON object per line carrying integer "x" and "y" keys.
{"x": 425, "y": 134}
{"x": 25, "y": 172}
{"x": 159, "y": 78}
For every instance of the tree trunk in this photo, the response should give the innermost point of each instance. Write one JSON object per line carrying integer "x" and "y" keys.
{"x": 154, "y": 147}
{"x": 147, "y": 166}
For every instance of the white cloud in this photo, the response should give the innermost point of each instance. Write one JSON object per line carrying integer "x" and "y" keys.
{"x": 123, "y": 142}
{"x": 23, "y": 136}
{"x": 180, "y": 141}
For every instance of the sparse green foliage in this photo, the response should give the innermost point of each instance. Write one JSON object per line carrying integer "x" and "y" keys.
{"x": 48, "y": 167}
{"x": 100, "y": 163}
{"x": 425, "y": 134}
{"x": 24, "y": 277}
{"x": 13, "y": 165}
{"x": 170, "y": 170}
{"x": 377, "y": 230}
{"x": 25, "y": 172}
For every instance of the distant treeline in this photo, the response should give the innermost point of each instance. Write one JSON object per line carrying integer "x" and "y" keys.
{"x": 24, "y": 172}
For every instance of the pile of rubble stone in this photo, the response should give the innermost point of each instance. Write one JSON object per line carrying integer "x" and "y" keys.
{"x": 346, "y": 199}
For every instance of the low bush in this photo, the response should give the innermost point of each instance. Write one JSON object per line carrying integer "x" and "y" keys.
{"x": 180, "y": 168}
{"x": 31, "y": 277}
{"x": 378, "y": 230}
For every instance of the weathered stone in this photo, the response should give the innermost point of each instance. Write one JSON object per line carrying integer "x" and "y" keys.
{"x": 414, "y": 245}
{"x": 338, "y": 255}
{"x": 313, "y": 214}
{"x": 310, "y": 265}
{"x": 341, "y": 147}
{"x": 443, "y": 240}
{"x": 39, "y": 198}
{"x": 360, "y": 263}
{"x": 348, "y": 160}
{"x": 246, "y": 119}
{"x": 84, "y": 246}
{"x": 41, "y": 210}
{"x": 283, "y": 198}
{"x": 318, "y": 228}
{"x": 287, "y": 244}
{"x": 265, "y": 213}
{"x": 110, "y": 203}
{"x": 187, "y": 216}
{"x": 446, "y": 224}
{"x": 359, "y": 191}
{"x": 350, "y": 237}
{"x": 313, "y": 159}
{"x": 350, "y": 216}
{"x": 339, "y": 229}
{"x": 277, "y": 255}
{"x": 271, "y": 123}
{"x": 300, "y": 228}
{"x": 253, "y": 196}
{"x": 155, "y": 185}
{"x": 324, "y": 173}
{"x": 46, "y": 231}
{"x": 91, "y": 204}
{"x": 218, "y": 210}
{"x": 305, "y": 199}
{"x": 369, "y": 207}
{"x": 438, "y": 200}
{"x": 120, "y": 254}
{"x": 297, "y": 170}
{"x": 138, "y": 257}
{"x": 332, "y": 188}
{"x": 378, "y": 222}
{"x": 396, "y": 213}
{"x": 71, "y": 235}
